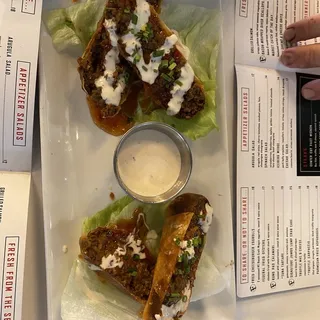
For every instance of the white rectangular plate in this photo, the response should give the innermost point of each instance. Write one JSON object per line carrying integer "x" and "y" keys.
{"x": 78, "y": 175}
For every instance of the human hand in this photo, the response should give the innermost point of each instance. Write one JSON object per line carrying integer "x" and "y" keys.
{"x": 304, "y": 56}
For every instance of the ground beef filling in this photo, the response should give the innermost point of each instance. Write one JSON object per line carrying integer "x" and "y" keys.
{"x": 135, "y": 275}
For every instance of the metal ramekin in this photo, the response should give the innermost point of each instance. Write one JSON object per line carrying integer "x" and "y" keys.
{"x": 186, "y": 162}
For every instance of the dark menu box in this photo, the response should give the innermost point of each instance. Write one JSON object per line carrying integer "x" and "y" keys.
{"x": 308, "y": 130}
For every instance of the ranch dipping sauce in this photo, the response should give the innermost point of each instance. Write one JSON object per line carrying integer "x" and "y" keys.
{"x": 149, "y": 163}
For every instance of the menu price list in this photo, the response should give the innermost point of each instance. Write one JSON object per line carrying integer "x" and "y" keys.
{"x": 266, "y": 119}
{"x": 279, "y": 238}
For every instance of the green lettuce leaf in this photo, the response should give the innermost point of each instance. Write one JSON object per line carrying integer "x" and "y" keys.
{"x": 73, "y": 27}
{"x": 107, "y": 215}
{"x": 124, "y": 209}
{"x": 86, "y": 297}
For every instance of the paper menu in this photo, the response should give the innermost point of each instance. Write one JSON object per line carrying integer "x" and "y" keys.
{"x": 19, "y": 42}
{"x": 260, "y": 25}
{"x": 278, "y": 168}
{"x": 13, "y": 227}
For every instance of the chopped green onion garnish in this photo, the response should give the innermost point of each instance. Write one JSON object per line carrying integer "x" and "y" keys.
{"x": 136, "y": 58}
{"x": 188, "y": 269}
{"x": 184, "y": 299}
{"x": 134, "y": 18}
{"x": 126, "y": 10}
{"x": 170, "y": 74}
{"x": 195, "y": 242}
{"x": 177, "y": 241}
{"x": 134, "y": 273}
{"x": 126, "y": 77}
{"x": 185, "y": 259}
{"x": 155, "y": 70}
{"x": 136, "y": 257}
{"x": 180, "y": 259}
{"x": 172, "y": 61}
{"x": 144, "y": 68}
{"x": 164, "y": 64}
{"x": 189, "y": 243}
{"x": 175, "y": 295}
{"x": 166, "y": 77}
{"x": 172, "y": 66}
{"x": 158, "y": 53}
{"x": 179, "y": 83}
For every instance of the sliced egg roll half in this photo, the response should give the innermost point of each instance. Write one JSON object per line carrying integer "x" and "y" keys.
{"x": 188, "y": 220}
{"x": 119, "y": 255}
{"x": 106, "y": 78}
{"x": 154, "y": 52}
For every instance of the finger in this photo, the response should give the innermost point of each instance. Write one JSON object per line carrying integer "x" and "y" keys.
{"x": 311, "y": 90}
{"x": 302, "y": 56}
{"x": 303, "y": 30}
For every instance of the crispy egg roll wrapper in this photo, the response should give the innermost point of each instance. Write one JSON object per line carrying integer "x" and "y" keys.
{"x": 175, "y": 227}
{"x": 107, "y": 116}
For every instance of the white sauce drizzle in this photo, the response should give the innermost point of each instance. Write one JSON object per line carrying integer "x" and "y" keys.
{"x": 168, "y": 313}
{"x": 111, "y": 261}
{"x": 178, "y": 91}
{"x": 206, "y": 223}
{"x": 110, "y": 94}
{"x": 149, "y": 72}
{"x": 114, "y": 260}
{"x": 189, "y": 249}
{"x": 135, "y": 245}
{"x": 143, "y": 13}
{"x": 141, "y": 216}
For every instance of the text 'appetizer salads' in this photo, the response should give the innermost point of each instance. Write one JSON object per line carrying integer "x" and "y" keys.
{"x": 144, "y": 260}
{"x": 140, "y": 62}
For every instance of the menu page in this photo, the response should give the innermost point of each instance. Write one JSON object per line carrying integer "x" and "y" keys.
{"x": 13, "y": 227}
{"x": 19, "y": 41}
{"x": 260, "y": 25}
{"x": 278, "y": 168}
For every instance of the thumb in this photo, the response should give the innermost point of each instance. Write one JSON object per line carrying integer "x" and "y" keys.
{"x": 311, "y": 90}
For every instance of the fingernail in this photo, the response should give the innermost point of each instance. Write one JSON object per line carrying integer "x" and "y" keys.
{"x": 308, "y": 94}
{"x": 287, "y": 58}
{"x": 290, "y": 34}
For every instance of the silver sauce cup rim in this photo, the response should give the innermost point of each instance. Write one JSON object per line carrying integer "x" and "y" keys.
{"x": 185, "y": 155}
